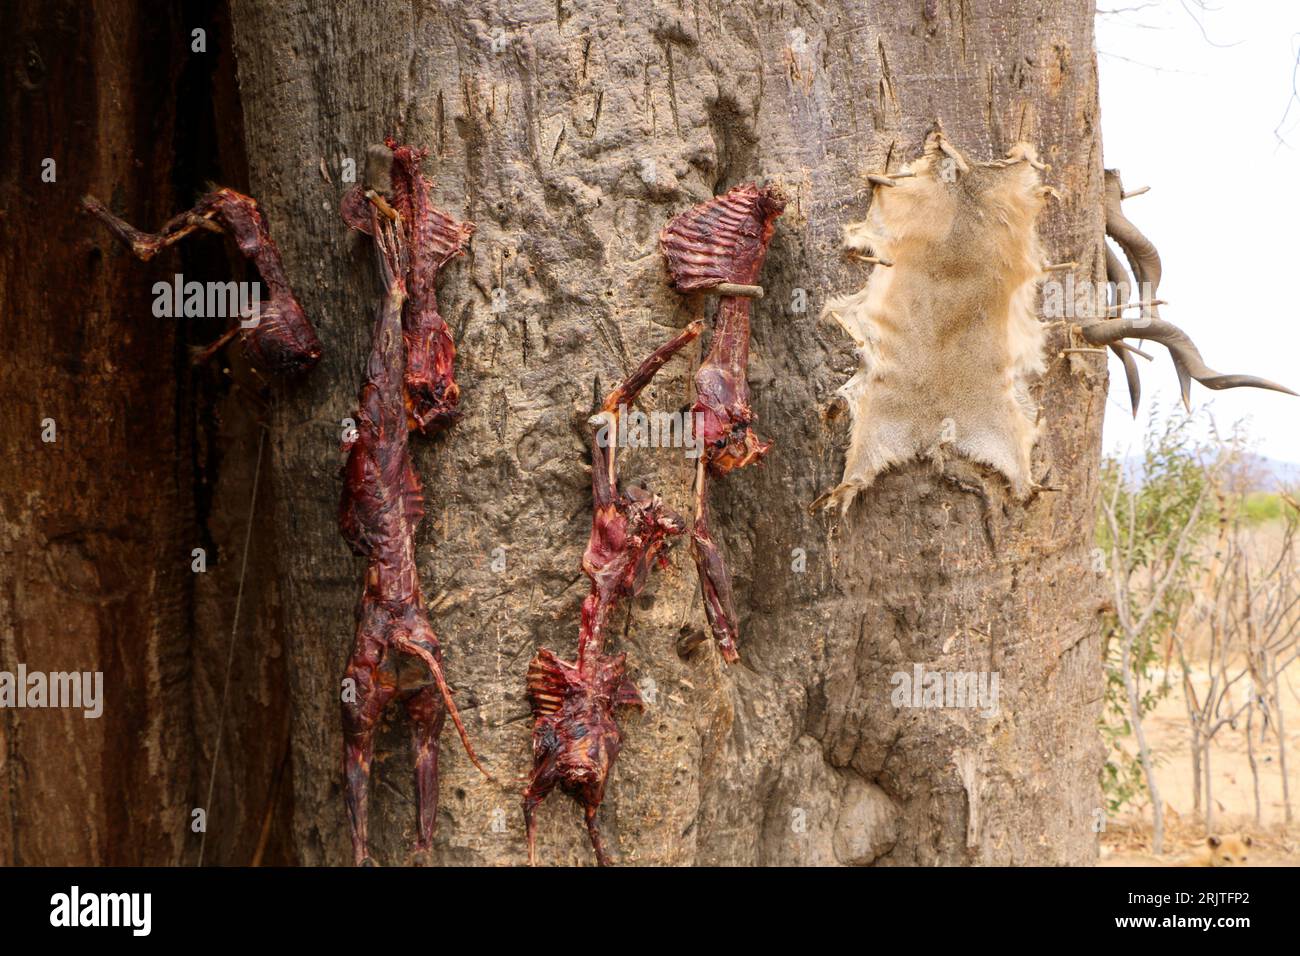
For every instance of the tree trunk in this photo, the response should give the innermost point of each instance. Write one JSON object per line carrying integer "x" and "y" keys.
{"x": 93, "y": 572}
{"x": 1139, "y": 735}
{"x": 570, "y": 133}
{"x": 150, "y": 459}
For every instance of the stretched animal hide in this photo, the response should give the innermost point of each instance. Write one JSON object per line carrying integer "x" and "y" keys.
{"x": 946, "y": 329}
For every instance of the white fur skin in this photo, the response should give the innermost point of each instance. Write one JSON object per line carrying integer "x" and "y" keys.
{"x": 947, "y": 337}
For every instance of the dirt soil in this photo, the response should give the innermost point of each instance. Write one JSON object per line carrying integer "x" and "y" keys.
{"x": 1127, "y": 839}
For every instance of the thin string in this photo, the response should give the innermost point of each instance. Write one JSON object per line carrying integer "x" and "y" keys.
{"x": 230, "y": 653}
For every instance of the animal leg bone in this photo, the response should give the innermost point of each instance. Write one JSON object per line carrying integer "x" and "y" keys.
{"x": 372, "y": 688}
{"x": 427, "y": 714}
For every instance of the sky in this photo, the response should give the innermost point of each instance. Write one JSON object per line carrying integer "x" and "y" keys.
{"x": 1191, "y": 102}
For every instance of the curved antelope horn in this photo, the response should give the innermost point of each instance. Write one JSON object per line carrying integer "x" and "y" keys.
{"x": 1117, "y": 275}
{"x": 1187, "y": 358}
{"x": 1144, "y": 260}
{"x": 1140, "y": 251}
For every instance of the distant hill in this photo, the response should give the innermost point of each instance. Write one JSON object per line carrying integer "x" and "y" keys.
{"x": 1285, "y": 474}
{"x": 1259, "y": 472}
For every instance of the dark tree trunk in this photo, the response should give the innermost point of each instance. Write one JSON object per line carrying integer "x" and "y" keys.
{"x": 91, "y": 525}
{"x": 151, "y": 460}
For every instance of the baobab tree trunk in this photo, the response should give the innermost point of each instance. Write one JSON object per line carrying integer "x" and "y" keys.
{"x": 570, "y": 132}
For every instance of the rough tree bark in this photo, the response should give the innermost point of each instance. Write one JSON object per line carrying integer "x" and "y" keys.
{"x": 570, "y": 132}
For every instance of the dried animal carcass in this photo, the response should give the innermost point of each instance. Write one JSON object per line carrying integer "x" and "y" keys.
{"x": 278, "y": 337}
{"x": 381, "y": 507}
{"x": 719, "y": 246}
{"x": 576, "y": 738}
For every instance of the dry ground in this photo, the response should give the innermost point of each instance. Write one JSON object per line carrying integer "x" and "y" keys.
{"x": 1127, "y": 840}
